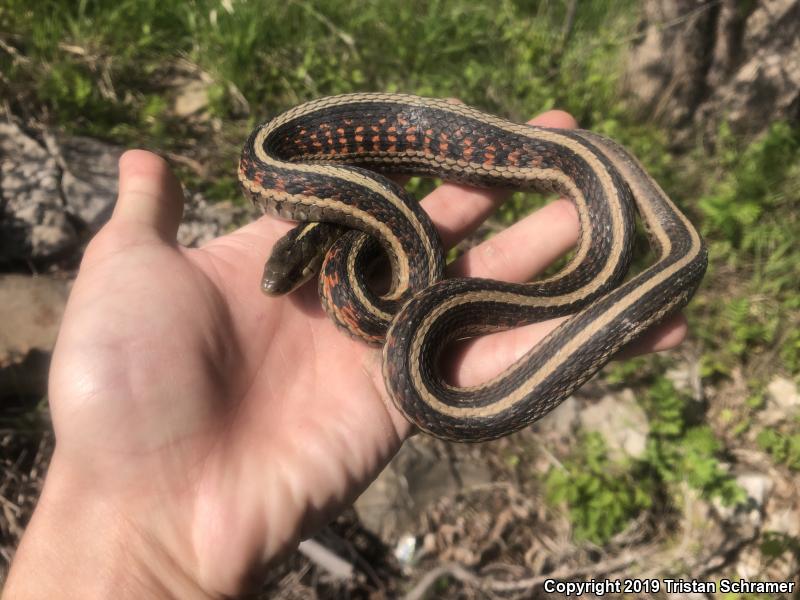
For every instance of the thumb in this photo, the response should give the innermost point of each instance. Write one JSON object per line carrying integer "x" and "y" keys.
{"x": 150, "y": 196}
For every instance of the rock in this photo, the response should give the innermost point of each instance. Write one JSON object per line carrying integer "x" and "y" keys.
{"x": 758, "y": 487}
{"x": 33, "y": 221}
{"x": 202, "y": 221}
{"x": 785, "y": 521}
{"x": 783, "y": 400}
{"x": 561, "y": 421}
{"x": 89, "y": 179}
{"x": 696, "y": 64}
{"x": 44, "y": 191}
{"x": 414, "y": 479}
{"x": 191, "y": 98}
{"x": 622, "y": 423}
{"x": 711, "y": 532}
{"x": 34, "y": 305}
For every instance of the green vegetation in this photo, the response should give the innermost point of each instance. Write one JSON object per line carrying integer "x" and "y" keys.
{"x": 106, "y": 59}
{"x": 113, "y": 69}
{"x": 750, "y": 217}
{"x": 783, "y": 448}
{"x": 603, "y": 495}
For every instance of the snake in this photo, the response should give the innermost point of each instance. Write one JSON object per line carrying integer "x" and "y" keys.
{"x": 328, "y": 163}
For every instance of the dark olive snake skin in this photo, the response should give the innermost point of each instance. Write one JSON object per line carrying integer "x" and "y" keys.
{"x": 321, "y": 162}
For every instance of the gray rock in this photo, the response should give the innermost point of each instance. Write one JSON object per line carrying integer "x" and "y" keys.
{"x": 33, "y": 222}
{"x": 89, "y": 179}
{"x": 782, "y": 395}
{"x": 785, "y": 521}
{"x": 622, "y": 423}
{"x": 758, "y": 487}
{"x": 695, "y": 64}
{"x": 203, "y": 221}
{"x": 414, "y": 479}
{"x": 710, "y": 532}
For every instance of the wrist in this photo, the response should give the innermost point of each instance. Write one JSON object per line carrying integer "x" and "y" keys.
{"x": 82, "y": 544}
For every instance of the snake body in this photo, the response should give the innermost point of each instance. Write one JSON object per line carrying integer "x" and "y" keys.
{"x": 322, "y": 162}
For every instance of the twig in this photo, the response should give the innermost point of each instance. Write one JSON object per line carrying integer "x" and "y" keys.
{"x": 458, "y": 572}
{"x": 333, "y": 564}
{"x": 606, "y": 566}
{"x": 569, "y": 25}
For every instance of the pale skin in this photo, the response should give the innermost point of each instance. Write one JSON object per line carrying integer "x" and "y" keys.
{"x": 204, "y": 429}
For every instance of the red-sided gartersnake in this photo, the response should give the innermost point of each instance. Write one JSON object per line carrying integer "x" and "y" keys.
{"x": 318, "y": 162}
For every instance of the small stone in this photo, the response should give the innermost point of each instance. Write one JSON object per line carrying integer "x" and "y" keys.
{"x": 757, "y": 485}
{"x": 192, "y": 98}
{"x": 786, "y": 521}
{"x": 622, "y": 423}
{"x": 34, "y": 305}
{"x": 783, "y": 394}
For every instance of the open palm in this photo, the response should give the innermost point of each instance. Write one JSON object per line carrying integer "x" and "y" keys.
{"x": 220, "y": 425}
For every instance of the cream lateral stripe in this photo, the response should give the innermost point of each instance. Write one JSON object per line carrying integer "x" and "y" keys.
{"x": 306, "y": 230}
{"x": 632, "y": 169}
{"x": 546, "y": 176}
{"x": 352, "y": 177}
{"x": 655, "y": 318}
{"x": 367, "y": 218}
{"x": 459, "y": 109}
{"x": 649, "y": 215}
{"x": 354, "y": 282}
{"x": 645, "y": 206}
{"x": 559, "y": 358}
{"x": 571, "y": 346}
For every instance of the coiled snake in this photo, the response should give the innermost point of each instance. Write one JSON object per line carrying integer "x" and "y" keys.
{"x": 321, "y": 163}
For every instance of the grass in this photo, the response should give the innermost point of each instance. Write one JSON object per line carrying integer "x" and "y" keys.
{"x": 111, "y": 69}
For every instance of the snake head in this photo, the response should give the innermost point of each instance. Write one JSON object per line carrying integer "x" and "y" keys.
{"x": 297, "y": 257}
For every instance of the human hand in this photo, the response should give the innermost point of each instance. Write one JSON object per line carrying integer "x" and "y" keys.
{"x": 202, "y": 428}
